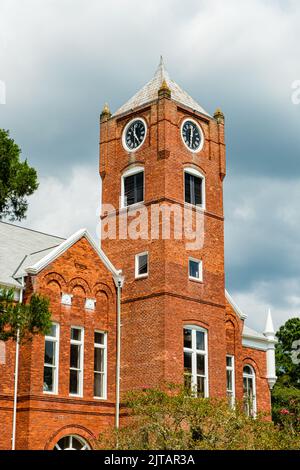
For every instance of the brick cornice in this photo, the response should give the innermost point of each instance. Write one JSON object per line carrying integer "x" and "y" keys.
{"x": 61, "y": 400}
{"x": 164, "y": 199}
{"x": 172, "y": 294}
{"x": 63, "y": 411}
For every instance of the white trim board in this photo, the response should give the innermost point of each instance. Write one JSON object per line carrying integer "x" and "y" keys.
{"x": 60, "y": 249}
{"x": 235, "y": 307}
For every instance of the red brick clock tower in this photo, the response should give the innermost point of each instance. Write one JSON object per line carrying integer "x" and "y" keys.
{"x": 162, "y": 165}
{"x": 162, "y": 150}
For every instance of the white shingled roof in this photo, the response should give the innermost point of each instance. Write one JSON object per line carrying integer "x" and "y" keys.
{"x": 150, "y": 93}
{"x": 18, "y": 245}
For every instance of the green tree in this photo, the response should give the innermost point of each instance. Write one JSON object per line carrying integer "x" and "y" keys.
{"x": 168, "y": 419}
{"x": 17, "y": 179}
{"x": 29, "y": 319}
{"x": 286, "y": 392}
{"x": 287, "y": 362}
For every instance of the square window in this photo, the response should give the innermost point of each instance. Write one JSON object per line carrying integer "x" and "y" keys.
{"x": 90, "y": 304}
{"x": 66, "y": 299}
{"x": 141, "y": 265}
{"x": 195, "y": 269}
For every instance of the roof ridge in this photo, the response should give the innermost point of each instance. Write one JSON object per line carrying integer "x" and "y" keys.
{"x": 32, "y": 230}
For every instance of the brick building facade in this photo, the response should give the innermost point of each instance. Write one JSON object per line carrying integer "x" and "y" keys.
{"x": 162, "y": 158}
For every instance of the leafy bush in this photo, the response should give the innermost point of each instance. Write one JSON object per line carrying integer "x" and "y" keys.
{"x": 286, "y": 407}
{"x": 168, "y": 419}
{"x": 286, "y": 392}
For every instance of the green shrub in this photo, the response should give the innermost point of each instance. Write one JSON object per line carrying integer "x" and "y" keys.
{"x": 168, "y": 419}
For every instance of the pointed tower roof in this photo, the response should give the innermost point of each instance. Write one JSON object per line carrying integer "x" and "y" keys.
{"x": 149, "y": 92}
{"x": 269, "y": 328}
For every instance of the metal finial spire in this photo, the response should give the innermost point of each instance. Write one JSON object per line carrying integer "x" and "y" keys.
{"x": 164, "y": 89}
{"x": 105, "y": 114}
{"x": 219, "y": 116}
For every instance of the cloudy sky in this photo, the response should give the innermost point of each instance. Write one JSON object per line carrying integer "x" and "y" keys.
{"x": 60, "y": 60}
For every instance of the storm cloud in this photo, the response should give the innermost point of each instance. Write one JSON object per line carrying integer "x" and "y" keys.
{"x": 62, "y": 60}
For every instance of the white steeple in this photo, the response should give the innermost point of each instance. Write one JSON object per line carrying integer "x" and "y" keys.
{"x": 270, "y": 335}
{"x": 150, "y": 93}
{"x": 269, "y": 328}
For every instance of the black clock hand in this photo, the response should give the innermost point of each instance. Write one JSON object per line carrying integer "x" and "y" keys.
{"x": 191, "y": 135}
{"x": 135, "y": 136}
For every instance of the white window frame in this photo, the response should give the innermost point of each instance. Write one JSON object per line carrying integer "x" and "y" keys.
{"x": 53, "y": 339}
{"x": 81, "y": 356}
{"x": 196, "y": 352}
{"x": 198, "y": 174}
{"x": 136, "y": 269}
{"x": 192, "y": 278}
{"x": 251, "y": 376}
{"x": 104, "y": 373}
{"x": 131, "y": 171}
{"x": 231, "y": 368}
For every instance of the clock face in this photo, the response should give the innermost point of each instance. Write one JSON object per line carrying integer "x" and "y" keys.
{"x": 134, "y": 134}
{"x": 192, "y": 135}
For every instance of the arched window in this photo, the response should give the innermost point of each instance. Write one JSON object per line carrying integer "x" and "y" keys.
{"x": 132, "y": 186}
{"x": 72, "y": 442}
{"x": 249, "y": 386}
{"x": 195, "y": 360}
{"x": 194, "y": 187}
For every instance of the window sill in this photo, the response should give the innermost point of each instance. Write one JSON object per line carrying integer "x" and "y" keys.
{"x": 74, "y": 395}
{"x": 194, "y": 279}
{"x": 142, "y": 276}
{"x": 100, "y": 398}
{"x": 135, "y": 205}
{"x": 200, "y": 208}
{"x": 50, "y": 393}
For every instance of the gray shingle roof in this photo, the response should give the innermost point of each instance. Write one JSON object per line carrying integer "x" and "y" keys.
{"x": 150, "y": 92}
{"x": 19, "y": 248}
